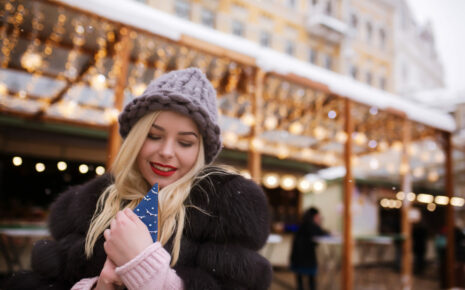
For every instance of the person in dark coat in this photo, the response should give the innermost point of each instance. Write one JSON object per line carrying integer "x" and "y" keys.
{"x": 211, "y": 221}
{"x": 303, "y": 256}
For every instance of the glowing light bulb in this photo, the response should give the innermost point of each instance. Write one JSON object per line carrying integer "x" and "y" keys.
{"x": 17, "y": 161}
{"x": 62, "y": 166}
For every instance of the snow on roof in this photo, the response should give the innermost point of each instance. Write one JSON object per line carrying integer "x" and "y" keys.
{"x": 443, "y": 99}
{"x": 330, "y": 22}
{"x": 145, "y": 17}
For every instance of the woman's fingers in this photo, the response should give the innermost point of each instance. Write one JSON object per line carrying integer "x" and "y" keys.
{"x": 131, "y": 215}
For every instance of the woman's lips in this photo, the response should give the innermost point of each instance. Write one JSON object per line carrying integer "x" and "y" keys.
{"x": 163, "y": 170}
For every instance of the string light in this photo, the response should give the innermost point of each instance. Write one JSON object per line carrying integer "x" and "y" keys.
{"x": 332, "y": 114}
{"x": 288, "y": 182}
{"x": 248, "y": 119}
{"x": 40, "y": 167}
{"x": 431, "y": 207}
{"x": 411, "y": 196}
{"x": 61, "y": 165}
{"x": 296, "y": 128}
{"x": 319, "y": 186}
{"x": 257, "y": 144}
{"x": 441, "y": 199}
{"x": 100, "y": 170}
{"x": 433, "y": 176}
{"x": 282, "y": 151}
{"x": 83, "y": 168}
{"x": 425, "y": 198}
{"x": 400, "y": 195}
{"x": 419, "y": 172}
{"x": 17, "y": 161}
{"x": 320, "y": 133}
{"x": 271, "y": 122}
{"x": 457, "y": 201}
{"x": 304, "y": 185}
{"x": 271, "y": 180}
{"x": 341, "y": 137}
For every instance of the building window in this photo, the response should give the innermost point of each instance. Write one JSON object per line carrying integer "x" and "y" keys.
{"x": 208, "y": 18}
{"x": 354, "y": 20}
{"x": 382, "y": 38}
{"x": 368, "y": 78}
{"x": 289, "y": 47}
{"x": 291, "y": 3}
{"x": 182, "y": 9}
{"x": 329, "y": 8}
{"x": 237, "y": 28}
{"x": 405, "y": 72}
{"x": 369, "y": 31}
{"x": 265, "y": 39}
{"x": 328, "y": 62}
{"x": 312, "y": 56}
{"x": 354, "y": 71}
{"x": 382, "y": 83}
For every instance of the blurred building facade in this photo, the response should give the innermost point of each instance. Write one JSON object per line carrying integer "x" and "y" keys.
{"x": 376, "y": 42}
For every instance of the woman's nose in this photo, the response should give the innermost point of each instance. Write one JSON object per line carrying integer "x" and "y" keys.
{"x": 167, "y": 149}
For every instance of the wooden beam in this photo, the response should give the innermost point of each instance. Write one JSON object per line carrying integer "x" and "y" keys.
{"x": 51, "y": 119}
{"x": 450, "y": 220}
{"x": 406, "y": 179}
{"x": 122, "y": 59}
{"x": 12, "y": 94}
{"x": 69, "y": 84}
{"x": 347, "y": 269}
{"x": 293, "y": 78}
{"x": 255, "y": 160}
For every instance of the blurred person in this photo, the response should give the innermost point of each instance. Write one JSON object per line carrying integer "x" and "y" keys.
{"x": 303, "y": 255}
{"x": 211, "y": 221}
{"x": 419, "y": 246}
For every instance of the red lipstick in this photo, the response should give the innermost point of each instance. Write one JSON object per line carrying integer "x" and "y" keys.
{"x": 162, "y": 170}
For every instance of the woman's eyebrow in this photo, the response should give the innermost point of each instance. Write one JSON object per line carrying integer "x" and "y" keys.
{"x": 180, "y": 133}
{"x": 188, "y": 133}
{"x": 158, "y": 127}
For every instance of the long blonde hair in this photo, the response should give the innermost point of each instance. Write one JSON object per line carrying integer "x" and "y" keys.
{"x": 130, "y": 187}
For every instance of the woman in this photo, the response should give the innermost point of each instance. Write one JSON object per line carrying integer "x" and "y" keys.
{"x": 303, "y": 255}
{"x": 211, "y": 221}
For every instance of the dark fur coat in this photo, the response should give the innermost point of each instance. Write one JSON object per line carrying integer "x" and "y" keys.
{"x": 218, "y": 249}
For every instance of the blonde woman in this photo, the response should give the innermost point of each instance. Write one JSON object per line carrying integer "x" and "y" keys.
{"x": 211, "y": 221}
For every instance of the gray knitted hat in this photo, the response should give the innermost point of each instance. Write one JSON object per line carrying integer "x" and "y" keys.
{"x": 187, "y": 92}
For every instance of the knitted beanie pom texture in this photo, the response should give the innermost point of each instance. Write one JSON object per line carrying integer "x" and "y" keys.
{"x": 187, "y": 92}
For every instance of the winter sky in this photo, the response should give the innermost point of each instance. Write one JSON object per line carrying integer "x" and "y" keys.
{"x": 447, "y": 17}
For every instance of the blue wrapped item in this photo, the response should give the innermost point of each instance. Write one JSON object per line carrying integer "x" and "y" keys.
{"x": 147, "y": 211}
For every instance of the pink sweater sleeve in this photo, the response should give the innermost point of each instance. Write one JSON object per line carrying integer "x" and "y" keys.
{"x": 85, "y": 284}
{"x": 150, "y": 270}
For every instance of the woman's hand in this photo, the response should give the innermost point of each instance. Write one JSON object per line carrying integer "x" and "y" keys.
{"x": 108, "y": 279}
{"x": 127, "y": 237}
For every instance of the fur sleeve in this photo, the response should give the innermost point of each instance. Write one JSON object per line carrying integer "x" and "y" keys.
{"x": 227, "y": 222}
{"x": 233, "y": 210}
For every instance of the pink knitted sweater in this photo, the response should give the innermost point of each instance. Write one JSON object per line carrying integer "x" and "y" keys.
{"x": 148, "y": 270}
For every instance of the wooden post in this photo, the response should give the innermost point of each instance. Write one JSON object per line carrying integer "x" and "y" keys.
{"x": 450, "y": 222}
{"x": 406, "y": 179}
{"x": 255, "y": 159}
{"x": 122, "y": 60}
{"x": 347, "y": 270}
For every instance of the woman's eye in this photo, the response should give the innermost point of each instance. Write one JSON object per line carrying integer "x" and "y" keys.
{"x": 154, "y": 137}
{"x": 185, "y": 144}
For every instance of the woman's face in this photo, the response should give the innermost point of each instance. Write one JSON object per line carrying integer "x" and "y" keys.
{"x": 170, "y": 150}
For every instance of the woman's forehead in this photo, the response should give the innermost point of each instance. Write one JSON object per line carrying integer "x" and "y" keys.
{"x": 169, "y": 120}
